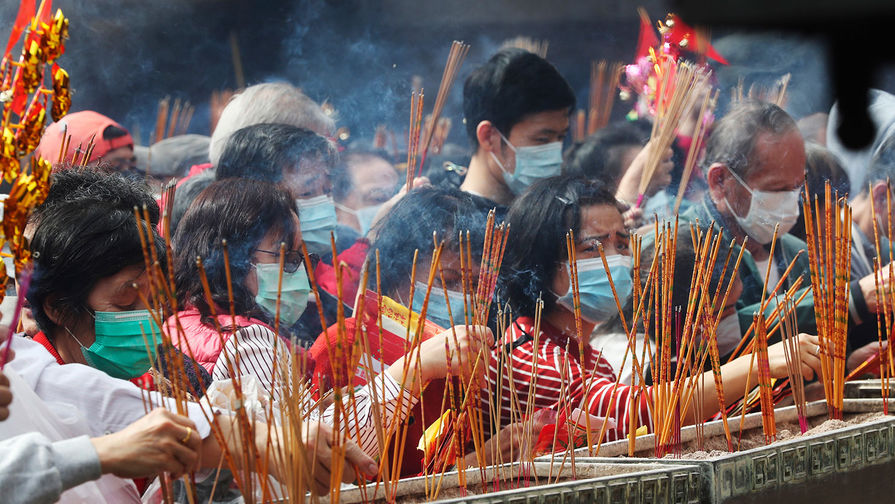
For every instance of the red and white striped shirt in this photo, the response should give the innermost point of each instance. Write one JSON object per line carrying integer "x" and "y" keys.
{"x": 555, "y": 371}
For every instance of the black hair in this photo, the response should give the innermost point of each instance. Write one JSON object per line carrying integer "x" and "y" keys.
{"x": 341, "y": 171}
{"x": 242, "y": 212}
{"x": 113, "y": 132}
{"x": 265, "y": 151}
{"x": 821, "y": 165}
{"x": 733, "y": 137}
{"x": 539, "y": 221}
{"x": 512, "y": 85}
{"x": 599, "y": 156}
{"x": 85, "y": 231}
{"x": 411, "y": 222}
{"x": 187, "y": 193}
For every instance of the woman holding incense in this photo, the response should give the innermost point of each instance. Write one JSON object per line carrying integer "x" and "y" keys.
{"x": 570, "y": 373}
{"x": 89, "y": 273}
{"x": 409, "y": 228}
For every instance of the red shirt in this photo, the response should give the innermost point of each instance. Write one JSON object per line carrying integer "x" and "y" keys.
{"x": 558, "y": 369}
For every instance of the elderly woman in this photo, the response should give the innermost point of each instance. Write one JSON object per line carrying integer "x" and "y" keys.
{"x": 536, "y": 265}
{"x": 89, "y": 273}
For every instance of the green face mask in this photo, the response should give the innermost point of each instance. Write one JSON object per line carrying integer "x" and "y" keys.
{"x": 120, "y": 349}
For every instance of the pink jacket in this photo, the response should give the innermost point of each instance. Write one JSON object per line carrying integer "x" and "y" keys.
{"x": 201, "y": 341}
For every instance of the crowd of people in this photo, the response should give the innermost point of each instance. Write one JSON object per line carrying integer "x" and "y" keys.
{"x": 303, "y": 217}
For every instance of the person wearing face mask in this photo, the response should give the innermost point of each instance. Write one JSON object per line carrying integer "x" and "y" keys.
{"x": 536, "y": 265}
{"x": 362, "y": 182}
{"x": 301, "y": 162}
{"x": 870, "y": 200}
{"x": 90, "y": 273}
{"x": 261, "y": 228}
{"x": 755, "y": 169}
{"x": 408, "y": 228}
{"x": 517, "y": 108}
{"x": 610, "y": 337}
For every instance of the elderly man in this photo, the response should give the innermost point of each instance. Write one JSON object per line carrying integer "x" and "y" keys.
{"x": 755, "y": 169}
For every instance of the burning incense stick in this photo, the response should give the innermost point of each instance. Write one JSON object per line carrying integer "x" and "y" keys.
{"x": 674, "y": 98}
{"x": 829, "y": 250}
{"x": 451, "y": 68}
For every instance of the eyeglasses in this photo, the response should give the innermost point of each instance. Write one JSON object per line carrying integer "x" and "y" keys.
{"x": 292, "y": 260}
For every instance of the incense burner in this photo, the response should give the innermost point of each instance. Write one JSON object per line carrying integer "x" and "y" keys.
{"x": 604, "y": 481}
{"x": 852, "y": 462}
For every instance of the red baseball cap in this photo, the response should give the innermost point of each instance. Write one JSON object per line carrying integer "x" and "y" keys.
{"x": 81, "y": 126}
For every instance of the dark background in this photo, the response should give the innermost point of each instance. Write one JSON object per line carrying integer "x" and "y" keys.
{"x": 124, "y": 55}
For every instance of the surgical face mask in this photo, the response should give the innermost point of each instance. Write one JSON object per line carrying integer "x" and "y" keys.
{"x": 364, "y": 216}
{"x": 125, "y": 345}
{"x": 317, "y": 217}
{"x": 729, "y": 334}
{"x": 766, "y": 210}
{"x": 293, "y": 295}
{"x": 533, "y": 163}
{"x": 437, "y": 310}
{"x": 597, "y": 302}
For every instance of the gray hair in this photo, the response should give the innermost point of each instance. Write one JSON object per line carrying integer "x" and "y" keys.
{"x": 733, "y": 138}
{"x": 275, "y": 102}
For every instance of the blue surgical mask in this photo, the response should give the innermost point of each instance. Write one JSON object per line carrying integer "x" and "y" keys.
{"x": 533, "y": 163}
{"x": 437, "y": 310}
{"x": 364, "y": 216}
{"x": 293, "y": 295}
{"x": 597, "y": 302}
{"x": 317, "y": 217}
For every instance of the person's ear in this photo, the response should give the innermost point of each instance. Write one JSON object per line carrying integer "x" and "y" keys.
{"x": 879, "y": 192}
{"x": 488, "y": 136}
{"x": 716, "y": 176}
{"x": 53, "y": 313}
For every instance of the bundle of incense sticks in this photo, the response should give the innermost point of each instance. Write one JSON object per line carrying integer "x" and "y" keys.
{"x": 686, "y": 335}
{"x": 451, "y": 68}
{"x": 828, "y": 232}
{"x": 789, "y": 332}
{"x": 886, "y": 295}
{"x": 172, "y": 120}
{"x": 768, "y": 424}
{"x": 674, "y": 99}
{"x": 696, "y": 144}
{"x": 776, "y": 93}
{"x": 413, "y": 136}
{"x": 603, "y": 87}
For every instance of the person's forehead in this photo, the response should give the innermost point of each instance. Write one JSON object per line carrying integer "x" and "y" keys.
{"x": 556, "y": 121}
{"x": 778, "y": 158}
{"x": 600, "y": 220}
{"x": 372, "y": 170}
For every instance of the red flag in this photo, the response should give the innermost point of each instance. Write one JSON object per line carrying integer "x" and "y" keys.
{"x": 26, "y": 12}
{"x": 647, "y": 37}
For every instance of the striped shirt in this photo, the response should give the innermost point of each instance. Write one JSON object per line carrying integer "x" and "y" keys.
{"x": 254, "y": 347}
{"x": 558, "y": 378}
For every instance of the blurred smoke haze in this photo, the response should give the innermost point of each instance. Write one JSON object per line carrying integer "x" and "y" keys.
{"x": 124, "y": 55}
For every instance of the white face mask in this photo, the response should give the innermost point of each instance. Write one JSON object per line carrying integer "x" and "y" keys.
{"x": 364, "y": 215}
{"x": 533, "y": 163}
{"x": 766, "y": 210}
{"x": 729, "y": 334}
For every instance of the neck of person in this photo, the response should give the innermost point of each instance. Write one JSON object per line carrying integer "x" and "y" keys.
{"x": 563, "y": 321}
{"x": 67, "y": 347}
{"x": 757, "y": 250}
{"x": 480, "y": 180}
